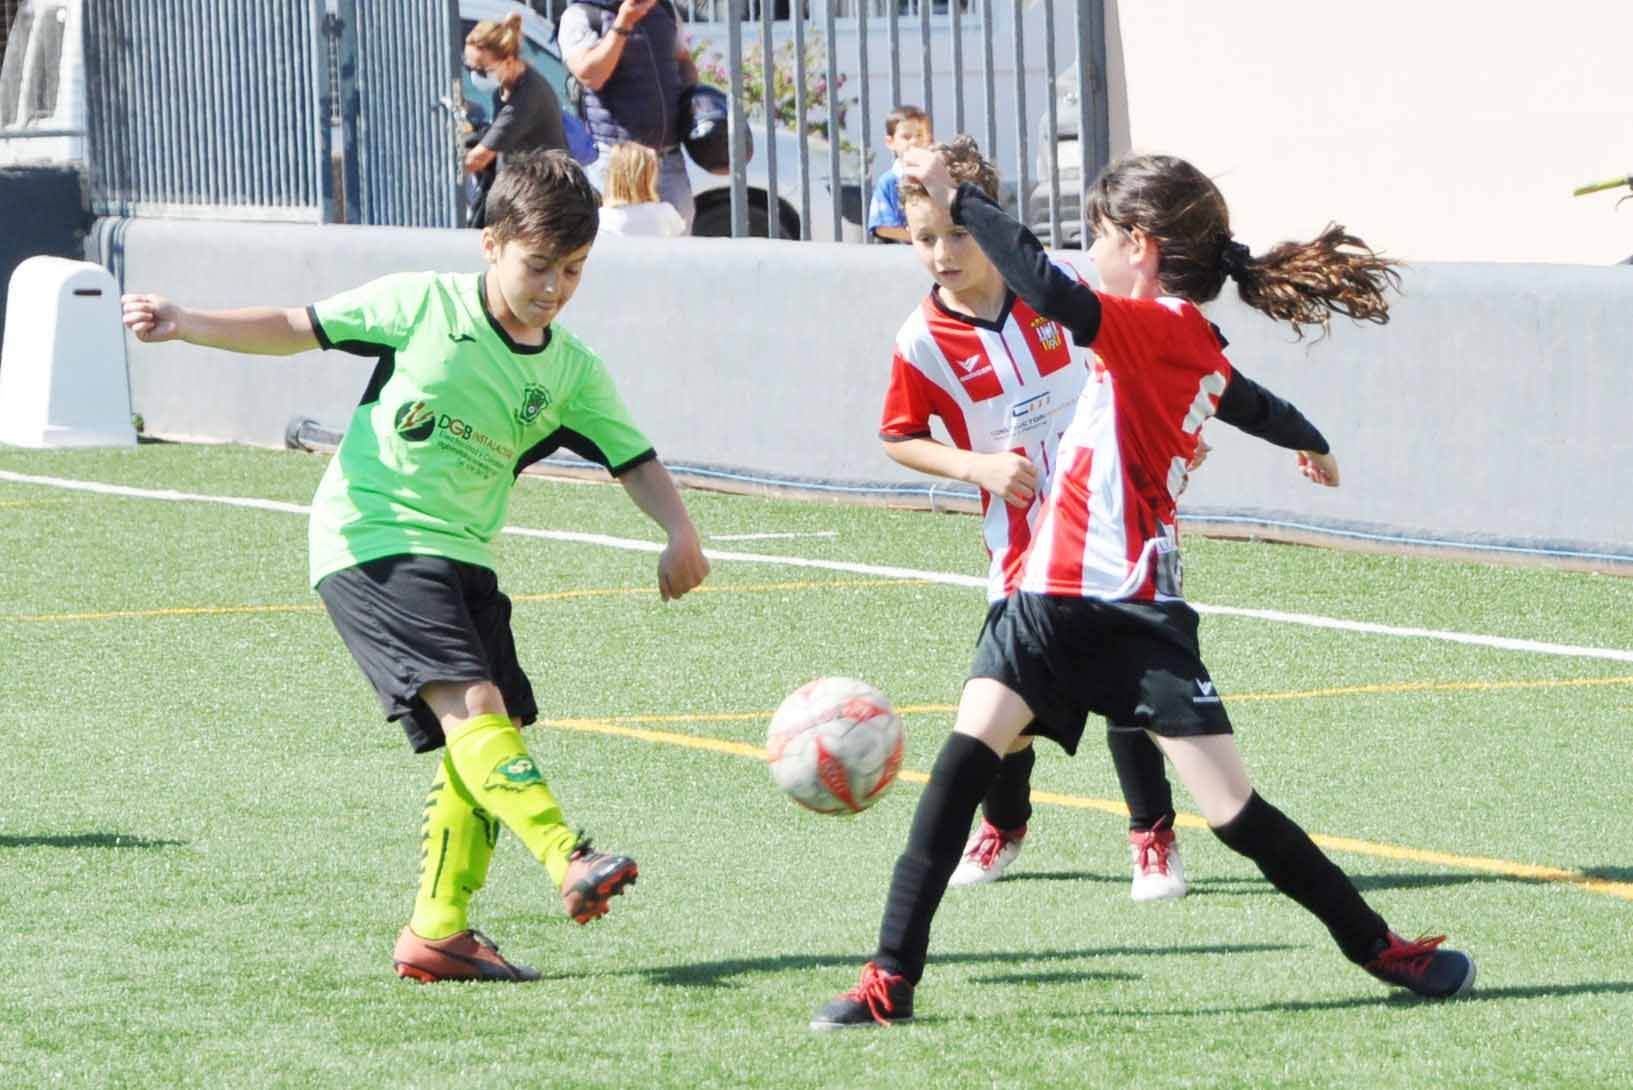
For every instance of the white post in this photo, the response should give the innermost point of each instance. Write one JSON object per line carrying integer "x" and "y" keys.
{"x": 63, "y": 381}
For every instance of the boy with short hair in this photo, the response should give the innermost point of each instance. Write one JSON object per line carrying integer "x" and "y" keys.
{"x": 475, "y": 381}
{"x": 905, "y": 127}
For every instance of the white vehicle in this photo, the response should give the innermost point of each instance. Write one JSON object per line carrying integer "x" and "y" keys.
{"x": 42, "y": 86}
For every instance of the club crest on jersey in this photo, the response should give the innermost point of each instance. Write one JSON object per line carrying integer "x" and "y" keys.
{"x": 1048, "y": 334}
{"x": 513, "y": 775}
{"x": 535, "y": 399}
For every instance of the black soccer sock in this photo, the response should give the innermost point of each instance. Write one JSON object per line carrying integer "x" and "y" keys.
{"x": 1294, "y": 865}
{"x": 1008, "y": 804}
{"x": 1143, "y": 778}
{"x": 962, "y": 773}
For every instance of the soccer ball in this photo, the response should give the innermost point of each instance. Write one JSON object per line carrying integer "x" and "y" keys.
{"x": 835, "y": 745}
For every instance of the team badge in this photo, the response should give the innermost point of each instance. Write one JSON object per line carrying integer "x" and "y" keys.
{"x": 516, "y": 774}
{"x": 1048, "y": 334}
{"x": 535, "y": 399}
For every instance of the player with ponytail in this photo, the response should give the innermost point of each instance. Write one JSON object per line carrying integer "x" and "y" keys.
{"x": 1098, "y": 623}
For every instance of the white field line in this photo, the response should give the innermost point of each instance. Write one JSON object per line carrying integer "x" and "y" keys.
{"x": 1503, "y": 643}
{"x": 787, "y": 536}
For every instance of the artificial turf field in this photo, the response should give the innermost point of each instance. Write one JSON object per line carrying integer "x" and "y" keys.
{"x": 209, "y": 839}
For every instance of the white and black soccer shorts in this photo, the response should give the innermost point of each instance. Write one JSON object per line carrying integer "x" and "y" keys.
{"x": 1136, "y": 663}
{"x": 413, "y": 620}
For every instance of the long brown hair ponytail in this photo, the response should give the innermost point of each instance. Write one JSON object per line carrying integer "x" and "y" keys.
{"x": 1183, "y": 212}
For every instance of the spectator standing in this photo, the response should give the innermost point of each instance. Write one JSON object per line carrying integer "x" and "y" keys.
{"x": 526, "y": 114}
{"x": 629, "y": 202}
{"x": 905, "y": 127}
{"x": 633, "y": 65}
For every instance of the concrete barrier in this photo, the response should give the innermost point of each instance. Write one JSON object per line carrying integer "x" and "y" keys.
{"x": 1488, "y": 415}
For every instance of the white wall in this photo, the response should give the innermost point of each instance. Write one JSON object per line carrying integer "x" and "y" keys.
{"x": 1444, "y": 130}
{"x": 1490, "y": 410}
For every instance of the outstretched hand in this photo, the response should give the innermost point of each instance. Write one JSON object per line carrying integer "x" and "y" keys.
{"x": 928, "y": 167}
{"x": 152, "y": 318}
{"x": 1320, "y": 468}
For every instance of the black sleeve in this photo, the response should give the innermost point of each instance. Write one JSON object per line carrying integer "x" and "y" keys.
{"x": 1248, "y": 406}
{"x": 1024, "y": 265}
{"x": 530, "y": 119}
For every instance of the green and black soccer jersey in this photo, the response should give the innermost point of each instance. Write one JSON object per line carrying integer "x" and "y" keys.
{"x": 454, "y": 411}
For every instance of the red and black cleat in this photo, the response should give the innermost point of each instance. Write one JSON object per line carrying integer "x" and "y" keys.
{"x": 1423, "y": 966}
{"x": 593, "y": 878}
{"x": 880, "y": 998}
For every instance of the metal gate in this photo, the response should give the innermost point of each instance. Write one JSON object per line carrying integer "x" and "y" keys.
{"x": 398, "y": 67}
{"x": 206, "y": 109}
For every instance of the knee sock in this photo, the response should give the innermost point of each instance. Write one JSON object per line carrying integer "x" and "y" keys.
{"x": 1294, "y": 865}
{"x": 962, "y": 773}
{"x": 456, "y": 845}
{"x": 1008, "y": 804}
{"x": 1144, "y": 780}
{"x": 487, "y": 753}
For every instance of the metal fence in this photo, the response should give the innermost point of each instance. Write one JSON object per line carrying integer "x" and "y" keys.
{"x": 337, "y": 110}
{"x": 1046, "y": 127}
{"x": 306, "y": 110}
{"x": 206, "y": 109}
{"x": 398, "y": 80}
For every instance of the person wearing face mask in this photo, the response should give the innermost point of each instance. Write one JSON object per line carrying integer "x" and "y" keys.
{"x": 526, "y": 112}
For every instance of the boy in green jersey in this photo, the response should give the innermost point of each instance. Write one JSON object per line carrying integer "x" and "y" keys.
{"x": 474, "y": 381}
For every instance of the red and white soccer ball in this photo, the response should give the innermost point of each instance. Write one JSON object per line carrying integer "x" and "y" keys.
{"x": 835, "y": 745}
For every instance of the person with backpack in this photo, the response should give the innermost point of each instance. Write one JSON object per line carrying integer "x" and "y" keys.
{"x": 632, "y": 63}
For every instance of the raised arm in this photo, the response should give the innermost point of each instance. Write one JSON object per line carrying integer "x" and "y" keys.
{"x": 261, "y": 331}
{"x": 1016, "y": 251}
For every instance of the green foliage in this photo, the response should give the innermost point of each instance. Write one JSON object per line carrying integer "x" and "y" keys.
{"x": 826, "y": 104}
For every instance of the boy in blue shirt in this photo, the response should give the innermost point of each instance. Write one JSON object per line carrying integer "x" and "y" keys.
{"x": 905, "y": 127}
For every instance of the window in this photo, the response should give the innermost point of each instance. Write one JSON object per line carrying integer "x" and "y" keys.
{"x": 39, "y": 99}
{"x": 11, "y": 73}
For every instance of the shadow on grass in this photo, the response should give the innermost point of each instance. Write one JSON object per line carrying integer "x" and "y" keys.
{"x": 87, "y": 840}
{"x": 1610, "y": 874}
{"x": 717, "y": 974}
{"x": 1390, "y": 999}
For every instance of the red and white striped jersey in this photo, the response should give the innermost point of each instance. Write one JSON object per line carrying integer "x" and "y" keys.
{"x": 1009, "y": 384}
{"x": 1107, "y": 527}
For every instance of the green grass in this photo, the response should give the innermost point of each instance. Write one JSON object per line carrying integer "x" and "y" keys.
{"x": 209, "y": 838}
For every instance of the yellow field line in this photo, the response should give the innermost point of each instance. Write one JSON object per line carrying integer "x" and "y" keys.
{"x": 553, "y": 596}
{"x": 1477, "y": 863}
{"x": 1299, "y": 694}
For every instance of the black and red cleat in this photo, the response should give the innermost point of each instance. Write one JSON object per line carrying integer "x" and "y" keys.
{"x": 880, "y": 998}
{"x": 1422, "y": 966}
{"x": 593, "y": 878}
{"x": 468, "y": 955}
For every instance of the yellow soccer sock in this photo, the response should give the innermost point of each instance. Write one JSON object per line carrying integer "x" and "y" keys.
{"x": 488, "y": 754}
{"x": 456, "y": 845}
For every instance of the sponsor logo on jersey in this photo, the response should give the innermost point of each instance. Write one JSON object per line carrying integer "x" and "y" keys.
{"x": 415, "y": 420}
{"x": 535, "y": 399}
{"x": 461, "y": 338}
{"x": 1022, "y": 409}
{"x": 1204, "y": 693}
{"x": 968, "y": 366}
{"x": 516, "y": 774}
